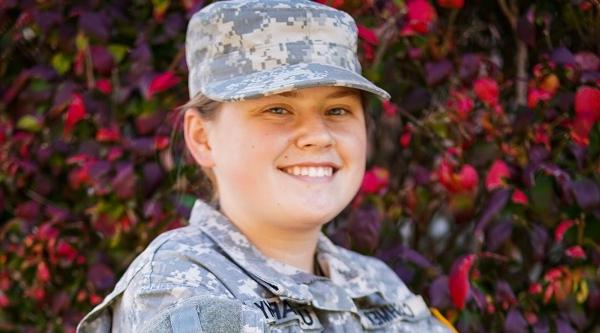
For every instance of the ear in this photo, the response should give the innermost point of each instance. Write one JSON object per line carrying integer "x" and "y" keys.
{"x": 196, "y": 138}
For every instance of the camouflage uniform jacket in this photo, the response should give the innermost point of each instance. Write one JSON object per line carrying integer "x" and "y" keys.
{"x": 207, "y": 277}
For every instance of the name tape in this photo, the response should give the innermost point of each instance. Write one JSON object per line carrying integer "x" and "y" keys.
{"x": 412, "y": 309}
{"x": 280, "y": 311}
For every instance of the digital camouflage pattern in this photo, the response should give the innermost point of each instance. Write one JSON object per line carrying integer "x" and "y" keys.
{"x": 237, "y": 50}
{"x": 207, "y": 277}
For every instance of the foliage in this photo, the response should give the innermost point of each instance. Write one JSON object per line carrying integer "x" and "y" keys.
{"x": 483, "y": 191}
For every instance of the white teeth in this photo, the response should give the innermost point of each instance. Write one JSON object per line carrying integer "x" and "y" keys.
{"x": 310, "y": 171}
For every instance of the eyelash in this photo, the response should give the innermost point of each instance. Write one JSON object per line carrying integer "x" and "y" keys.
{"x": 281, "y": 108}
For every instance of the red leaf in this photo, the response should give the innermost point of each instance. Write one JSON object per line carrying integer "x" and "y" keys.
{"x": 487, "y": 90}
{"x": 580, "y": 129}
{"x": 537, "y": 95}
{"x": 587, "y": 103}
{"x": 451, "y": 3}
{"x": 108, "y": 135}
{"x": 161, "y": 142}
{"x": 4, "y": 301}
{"x": 390, "y": 109}
{"x": 458, "y": 280}
{"x": 562, "y": 228}
{"x": 464, "y": 181}
{"x": 367, "y": 35}
{"x": 519, "y": 197}
{"x": 64, "y": 250}
{"x": 405, "y": 138}
{"x": 43, "y": 274}
{"x": 75, "y": 112}
{"x": 104, "y": 86}
{"x": 375, "y": 180}
{"x": 495, "y": 177}
{"x": 468, "y": 178}
{"x": 575, "y": 252}
{"x": 162, "y": 82}
{"x": 461, "y": 103}
{"x": 420, "y": 15}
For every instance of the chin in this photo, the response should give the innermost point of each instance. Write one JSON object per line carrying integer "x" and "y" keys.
{"x": 314, "y": 216}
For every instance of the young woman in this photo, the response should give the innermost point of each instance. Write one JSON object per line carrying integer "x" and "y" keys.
{"x": 277, "y": 123}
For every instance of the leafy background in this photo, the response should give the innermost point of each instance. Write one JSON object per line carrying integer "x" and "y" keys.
{"x": 483, "y": 188}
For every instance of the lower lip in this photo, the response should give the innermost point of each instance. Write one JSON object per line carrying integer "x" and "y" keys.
{"x": 312, "y": 180}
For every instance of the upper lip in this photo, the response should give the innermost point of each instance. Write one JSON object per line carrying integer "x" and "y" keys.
{"x": 312, "y": 164}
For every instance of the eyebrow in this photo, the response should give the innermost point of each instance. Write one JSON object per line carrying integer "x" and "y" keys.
{"x": 337, "y": 94}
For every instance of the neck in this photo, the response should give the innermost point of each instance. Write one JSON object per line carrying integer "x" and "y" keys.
{"x": 293, "y": 247}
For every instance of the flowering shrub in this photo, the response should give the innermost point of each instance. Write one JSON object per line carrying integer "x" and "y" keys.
{"x": 483, "y": 188}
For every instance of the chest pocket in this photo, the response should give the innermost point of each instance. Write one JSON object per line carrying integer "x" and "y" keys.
{"x": 285, "y": 316}
{"x": 378, "y": 315}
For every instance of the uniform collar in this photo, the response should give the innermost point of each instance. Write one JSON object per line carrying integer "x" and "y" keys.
{"x": 332, "y": 293}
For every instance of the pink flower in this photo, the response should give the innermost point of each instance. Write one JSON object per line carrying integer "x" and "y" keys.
{"x": 458, "y": 280}
{"x": 562, "y": 228}
{"x": 487, "y": 90}
{"x": 419, "y": 17}
{"x": 162, "y": 82}
{"x": 451, "y": 3}
{"x": 519, "y": 197}
{"x": 495, "y": 177}
{"x": 75, "y": 113}
{"x": 575, "y": 252}
{"x": 375, "y": 180}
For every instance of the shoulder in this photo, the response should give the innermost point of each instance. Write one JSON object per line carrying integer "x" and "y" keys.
{"x": 170, "y": 269}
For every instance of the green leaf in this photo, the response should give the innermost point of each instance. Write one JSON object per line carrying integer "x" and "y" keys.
{"x": 61, "y": 63}
{"x": 29, "y": 123}
{"x": 543, "y": 200}
{"x": 118, "y": 51}
{"x": 81, "y": 41}
{"x": 594, "y": 147}
{"x": 38, "y": 85}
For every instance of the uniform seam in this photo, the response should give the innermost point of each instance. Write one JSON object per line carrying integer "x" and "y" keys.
{"x": 151, "y": 260}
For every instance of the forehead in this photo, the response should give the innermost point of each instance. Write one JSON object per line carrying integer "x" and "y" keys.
{"x": 321, "y": 92}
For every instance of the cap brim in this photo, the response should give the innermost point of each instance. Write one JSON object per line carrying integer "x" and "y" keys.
{"x": 287, "y": 78}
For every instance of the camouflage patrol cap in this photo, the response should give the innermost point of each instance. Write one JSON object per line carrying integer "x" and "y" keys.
{"x": 239, "y": 49}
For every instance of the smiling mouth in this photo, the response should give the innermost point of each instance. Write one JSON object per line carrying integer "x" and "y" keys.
{"x": 310, "y": 171}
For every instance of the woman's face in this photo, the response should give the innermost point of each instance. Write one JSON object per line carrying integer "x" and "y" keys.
{"x": 261, "y": 149}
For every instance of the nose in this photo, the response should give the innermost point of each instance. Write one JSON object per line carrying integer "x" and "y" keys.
{"x": 313, "y": 132}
